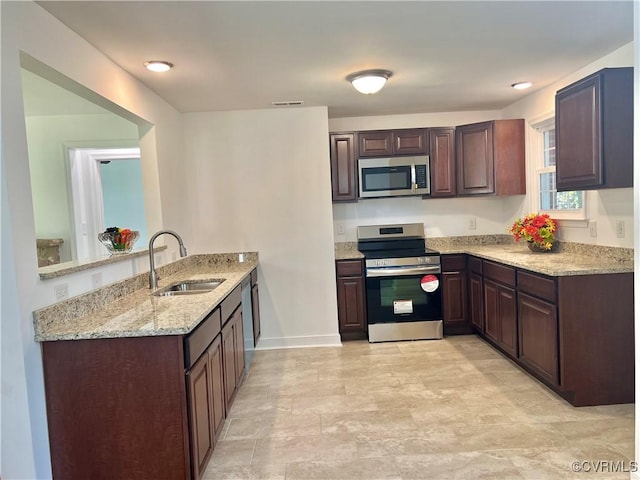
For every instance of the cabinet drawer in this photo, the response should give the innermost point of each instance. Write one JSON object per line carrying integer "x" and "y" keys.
{"x": 475, "y": 265}
{"x": 199, "y": 339}
{"x": 230, "y": 303}
{"x": 349, "y": 268}
{"x": 499, "y": 273}
{"x": 538, "y": 286}
{"x": 452, "y": 263}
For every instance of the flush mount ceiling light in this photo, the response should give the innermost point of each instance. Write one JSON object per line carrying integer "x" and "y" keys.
{"x": 158, "y": 65}
{"x": 521, "y": 85}
{"x": 369, "y": 81}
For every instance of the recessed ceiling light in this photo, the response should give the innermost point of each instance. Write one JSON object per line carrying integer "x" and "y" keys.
{"x": 521, "y": 85}
{"x": 369, "y": 81}
{"x": 158, "y": 65}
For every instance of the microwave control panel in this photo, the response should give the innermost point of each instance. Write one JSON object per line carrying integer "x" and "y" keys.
{"x": 421, "y": 176}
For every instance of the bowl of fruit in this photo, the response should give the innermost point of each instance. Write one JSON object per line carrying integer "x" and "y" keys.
{"x": 118, "y": 240}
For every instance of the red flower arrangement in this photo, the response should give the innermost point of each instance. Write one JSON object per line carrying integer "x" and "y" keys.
{"x": 535, "y": 228}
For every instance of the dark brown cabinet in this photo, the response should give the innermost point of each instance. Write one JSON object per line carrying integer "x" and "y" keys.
{"x": 538, "y": 336}
{"x": 352, "y": 320}
{"x": 442, "y": 162}
{"x": 490, "y": 158}
{"x": 500, "y": 309}
{"x": 255, "y": 307}
{"x": 594, "y": 131}
{"x": 344, "y": 178}
{"x": 386, "y": 143}
{"x": 454, "y": 294}
{"x": 201, "y": 414}
{"x": 233, "y": 354}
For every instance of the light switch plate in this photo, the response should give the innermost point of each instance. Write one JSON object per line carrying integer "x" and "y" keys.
{"x": 593, "y": 228}
{"x": 620, "y": 228}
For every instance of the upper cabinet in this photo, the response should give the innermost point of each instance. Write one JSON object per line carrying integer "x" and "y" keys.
{"x": 490, "y": 158}
{"x": 344, "y": 183}
{"x": 594, "y": 131}
{"x": 442, "y": 160}
{"x": 386, "y": 143}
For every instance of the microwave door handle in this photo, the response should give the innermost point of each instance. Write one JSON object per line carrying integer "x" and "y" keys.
{"x": 413, "y": 177}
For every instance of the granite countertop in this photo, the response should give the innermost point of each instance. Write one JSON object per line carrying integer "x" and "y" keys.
{"x": 128, "y": 309}
{"x": 571, "y": 259}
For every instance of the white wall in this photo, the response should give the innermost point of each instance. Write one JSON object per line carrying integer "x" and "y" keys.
{"x": 450, "y": 217}
{"x": 26, "y": 26}
{"x": 260, "y": 180}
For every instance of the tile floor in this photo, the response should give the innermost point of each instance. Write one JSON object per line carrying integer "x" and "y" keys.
{"x": 439, "y": 409}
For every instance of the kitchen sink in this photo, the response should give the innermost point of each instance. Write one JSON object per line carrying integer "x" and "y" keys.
{"x": 188, "y": 287}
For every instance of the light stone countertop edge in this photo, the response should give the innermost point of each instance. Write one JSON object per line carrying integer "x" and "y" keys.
{"x": 139, "y": 313}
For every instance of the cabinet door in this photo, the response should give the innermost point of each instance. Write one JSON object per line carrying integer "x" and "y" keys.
{"x": 410, "y": 142}
{"x": 538, "y": 336}
{"x": 474, "y": 158}
{"x": 491, "y": 312}
{"x": 375, "y": 144}
{"x": 578, "y": 147}
{"x": 508, "y": 327}
{"x": 229, "y": 362}
{"x": 201, "y": 414}
{"x": 344, "y": 178}
{"x": 255, "y": 311}
{"x": 238, "y": 332}
{"x": 454, "y": 296}
{"x": 217, "y": 385}
{"x": 442, "y": 162}
{"x": 351, "y": 305}
{"x": 476, "y": 301}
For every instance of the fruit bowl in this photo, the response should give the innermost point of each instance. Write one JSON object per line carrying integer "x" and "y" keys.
{"x": 119, "y": 242}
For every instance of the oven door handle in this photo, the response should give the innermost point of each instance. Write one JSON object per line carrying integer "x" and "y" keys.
{"x": 401, "y": 271}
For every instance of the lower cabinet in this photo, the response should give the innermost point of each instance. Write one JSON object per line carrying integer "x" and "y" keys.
{"x": 476, "y": 294}
{"x": 143, "y": 407}
{"x": 255, "y": 307}
{"x": 352, "y": 319}
{"x": 500, "y": 310}
{"x": 454, "y": 294}
{"x": 538, "y": 336}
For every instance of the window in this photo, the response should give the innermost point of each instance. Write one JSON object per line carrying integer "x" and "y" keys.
{"x": 560, "y": 205}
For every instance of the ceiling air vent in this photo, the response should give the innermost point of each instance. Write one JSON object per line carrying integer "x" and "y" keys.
{"x": 289, "y": 103}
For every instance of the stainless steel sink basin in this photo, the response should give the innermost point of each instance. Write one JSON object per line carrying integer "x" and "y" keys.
{"x": 188, "y": 287}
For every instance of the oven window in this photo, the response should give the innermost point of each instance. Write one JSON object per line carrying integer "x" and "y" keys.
{"x": 392, "y": 289}
{"x": 386, "y": 178}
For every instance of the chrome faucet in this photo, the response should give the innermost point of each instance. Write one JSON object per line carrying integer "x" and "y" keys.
{"x": 153, "y": 276}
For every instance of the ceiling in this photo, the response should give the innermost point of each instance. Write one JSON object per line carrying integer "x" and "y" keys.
{"x": 445, "y": 56}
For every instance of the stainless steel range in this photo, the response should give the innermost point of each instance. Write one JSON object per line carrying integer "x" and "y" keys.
{"x": 403, "y": 284}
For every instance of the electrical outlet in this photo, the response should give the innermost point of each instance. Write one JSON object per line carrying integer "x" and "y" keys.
{"x": 593, "y": 228}
{"x": 174, "y": 256}
{"x": 340, "y": 228}
{"x": 620, "y": 228}
{"x": 471, "y": 223}
{"x": 61, "y": 291}
{"x": 96, "y": 280}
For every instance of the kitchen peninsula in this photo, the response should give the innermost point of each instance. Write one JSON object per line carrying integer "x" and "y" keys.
{"x": 138, "y": 385}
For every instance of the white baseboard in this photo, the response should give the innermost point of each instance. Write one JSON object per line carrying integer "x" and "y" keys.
{"x": 298, "y": 342}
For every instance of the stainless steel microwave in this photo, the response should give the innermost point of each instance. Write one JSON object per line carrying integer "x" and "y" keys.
{"x": 393, "y": 177}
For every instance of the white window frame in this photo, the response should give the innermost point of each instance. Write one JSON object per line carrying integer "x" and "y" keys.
{"x": 539, "y": 168}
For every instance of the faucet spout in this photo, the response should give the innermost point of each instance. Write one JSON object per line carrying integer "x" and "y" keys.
{"x": 153, "y": 275}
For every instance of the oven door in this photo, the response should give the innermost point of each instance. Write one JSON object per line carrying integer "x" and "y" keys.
{"x": 403, "y": 294}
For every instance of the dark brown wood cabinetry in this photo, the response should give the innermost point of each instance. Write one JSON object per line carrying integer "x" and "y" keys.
{"x": 500, "y": 306}
{"x": 344, "y": 177}
{"x": 143, "y": 407}
{"x": 538, "y": 336}
{"x": 386, "y": 143}
{"x": 454, "y": 294}
{"x": 594, "y": 131}
{"x": 490, "y": 158}
{"x": 352, "y": 319}
{"x": 442, "y": 162}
